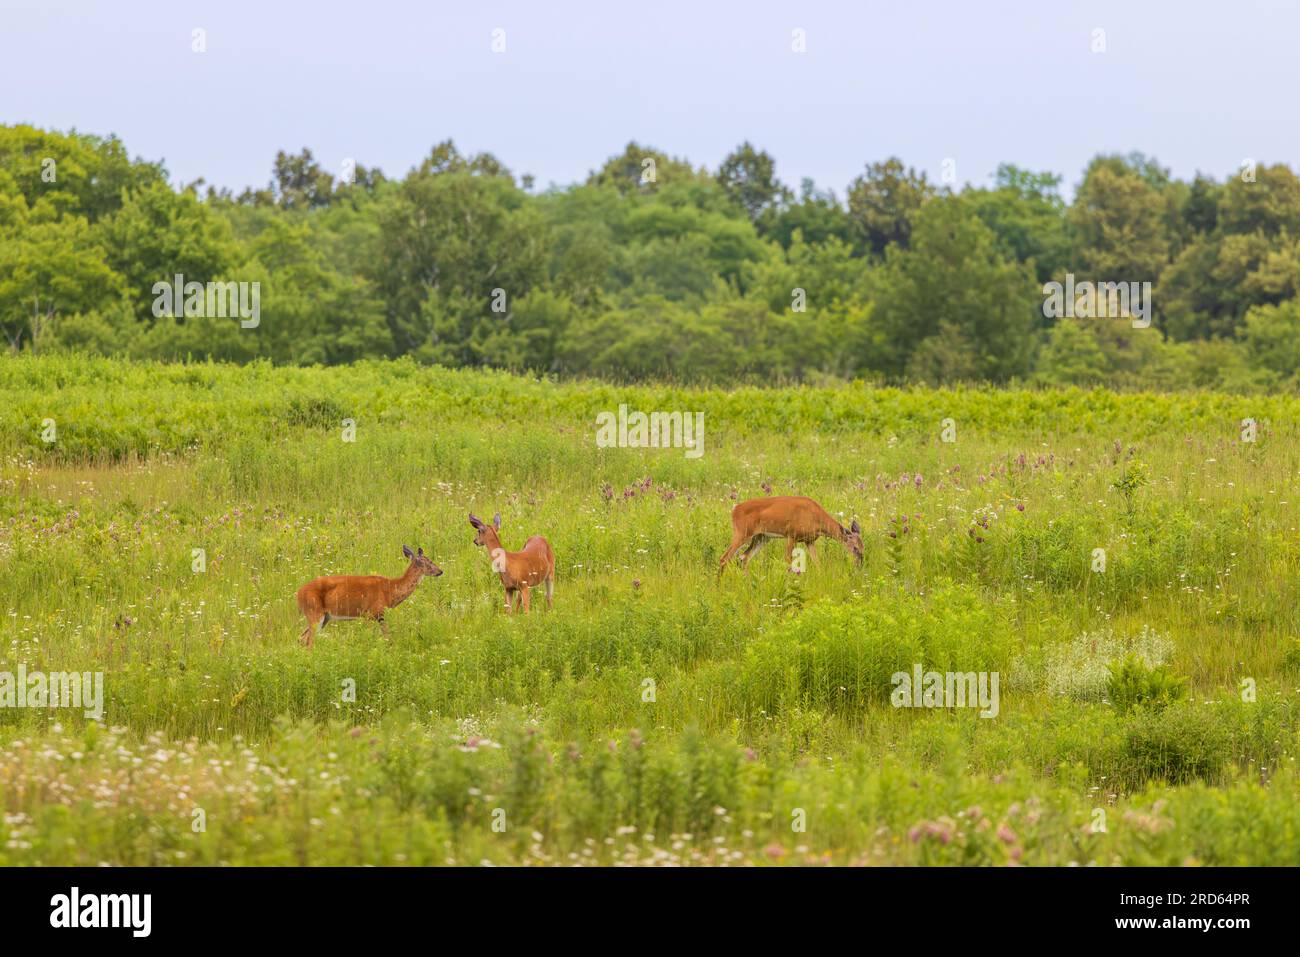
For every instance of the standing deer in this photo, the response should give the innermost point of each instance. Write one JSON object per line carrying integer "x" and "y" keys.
{"x": 519, "y": 571}
{"x": 345, "y": 597}
{"x": 793, "y": 517}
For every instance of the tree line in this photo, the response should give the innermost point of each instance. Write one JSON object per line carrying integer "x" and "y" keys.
{"x": 654, "y": 269}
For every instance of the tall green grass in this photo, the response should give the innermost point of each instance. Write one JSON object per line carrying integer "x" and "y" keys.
{"x": 655, "y": 701}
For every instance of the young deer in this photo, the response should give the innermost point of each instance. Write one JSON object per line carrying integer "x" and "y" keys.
{"x": 345, "y": 597}
{"x": 793, "y": 517}
{"x": 519, "y": 571}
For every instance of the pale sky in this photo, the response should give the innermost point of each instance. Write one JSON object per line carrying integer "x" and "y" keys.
{"x": 1199, "y": 85}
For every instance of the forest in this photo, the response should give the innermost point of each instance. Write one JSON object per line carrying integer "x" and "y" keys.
{"x": 656, "y": 269}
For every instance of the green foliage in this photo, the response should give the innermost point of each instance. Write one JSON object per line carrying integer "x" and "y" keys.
{"x": 1133, "y": 477}
{"x": 841, "y": 658}
{"x": 1176, "y": 744}
{"x": 771, "y": 690}
{"x": 981, "y": 330}
{"x": 1133, "y": 684}
{"x": 654, "y": 269}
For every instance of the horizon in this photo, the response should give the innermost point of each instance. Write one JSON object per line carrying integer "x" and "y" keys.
{"x": 563, "y": 97}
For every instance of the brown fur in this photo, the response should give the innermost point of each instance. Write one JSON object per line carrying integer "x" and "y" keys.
{"x": 359, "y": 596}
{"x": 520, "y": 571}
{"x": 797, "y": 519}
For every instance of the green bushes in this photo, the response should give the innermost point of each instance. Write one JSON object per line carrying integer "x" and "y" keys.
{"x": 109, "y": 408}
{"x": 841, "y": 658}
{"x": 1133, "y": 683}
{"x": 1176, "y": 744}
{"x": 655, "y": 696}
{"x": 507, "y": 792}
{"x": 1081, "y": 667}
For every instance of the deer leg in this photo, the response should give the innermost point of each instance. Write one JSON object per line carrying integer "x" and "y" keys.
{"x": 383, "y": 625}
{"x": 525, "y": 595}
{"x": 308, "y": 635}
{"x": 736, "y": 541}
{"x": 755, "y": 543}
{"x": 550, "y": 590}
{"x": 510, "y": 600}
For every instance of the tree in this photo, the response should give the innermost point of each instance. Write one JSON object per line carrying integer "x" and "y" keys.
{"x": 445, "y": 158}
{"x": 310, "y": 312}
{"x": 953, "y": 274}
{"x": 51, "y": 269}
{"x": 1269, "y": 205}
{"x": 1272, "y": 340}
{"x": 1027, "y": 216}
{"x": 528, "y": 337}
{"x": 1119, "y": 220}
{"x": 818, "y": 216}
{"x": 447, "y": 243}
{"x": 300, "y": 183}
{"x": 72, "y": 173}
{"x": 1200, "y": 212}
{"x": 159, "y": 233}
{"x": 748, "y": 176}
{"x": 641, "y": 169}
{"x": 883, "y": 203}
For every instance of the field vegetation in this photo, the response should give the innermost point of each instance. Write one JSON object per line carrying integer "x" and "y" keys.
{"x": 1148, "y": 711}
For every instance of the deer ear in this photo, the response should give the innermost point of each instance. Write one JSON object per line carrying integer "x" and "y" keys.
{"x": 496, "y": 519}
{"x": 420, "y": 552}
{"x": 855, "y": 528}
{"x": 406, "y": 550}
{"x": 474, "y": 520}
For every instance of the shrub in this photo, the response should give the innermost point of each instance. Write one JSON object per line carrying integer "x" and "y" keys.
{"x": 1291, "y": 657}
{"x": 1080, "y": 668}
{"x": 1133, "y": 684}
{"x": 312, "y": 412}
{"x": 841, "y": 657}
{"x": 1180, "y": 743}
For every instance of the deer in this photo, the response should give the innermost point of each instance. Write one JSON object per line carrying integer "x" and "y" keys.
{"x": 347, "y": 597}
{"x": 519, "y": 571}
{"x": 797, "y": 519}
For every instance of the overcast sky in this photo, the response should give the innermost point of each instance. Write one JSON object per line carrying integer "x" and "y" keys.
{"x": 1199, "y": 85}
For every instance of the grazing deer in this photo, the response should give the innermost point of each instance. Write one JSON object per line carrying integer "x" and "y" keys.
{"x": 345, "y": 597}
{"x": 793, "y": 517}
{"x": 519, "y": 571}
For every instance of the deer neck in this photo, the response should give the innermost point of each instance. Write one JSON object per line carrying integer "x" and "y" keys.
{"x": 402, "y": 587}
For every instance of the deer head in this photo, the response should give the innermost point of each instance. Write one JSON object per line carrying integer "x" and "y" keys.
{"x": 487, "y": 534}
{"x": 421, "y": 562}
{"x": 852, "y": 539}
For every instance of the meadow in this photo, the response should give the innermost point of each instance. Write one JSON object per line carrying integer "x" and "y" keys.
{"x": 156, "y": 520}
